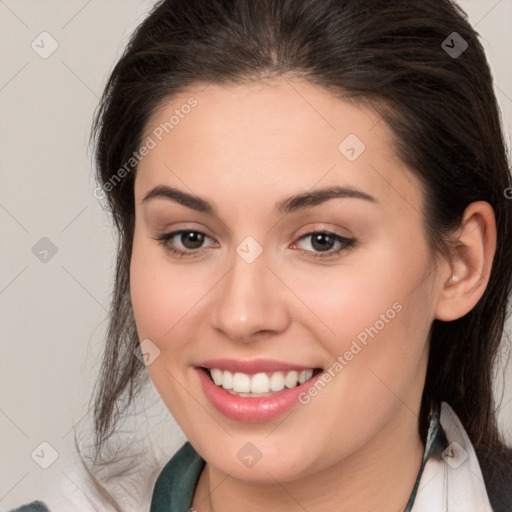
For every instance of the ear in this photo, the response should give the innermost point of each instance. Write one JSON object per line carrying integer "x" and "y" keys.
{"x": 470, "y": 264}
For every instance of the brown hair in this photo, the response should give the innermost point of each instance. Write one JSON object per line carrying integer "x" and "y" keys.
{"x": 385, "y": 53}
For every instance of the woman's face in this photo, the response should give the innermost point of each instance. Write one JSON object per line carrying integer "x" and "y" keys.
{"x": 339, "y": 281}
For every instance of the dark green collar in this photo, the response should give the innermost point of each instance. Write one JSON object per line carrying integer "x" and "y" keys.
{"x": 174, "y": 488}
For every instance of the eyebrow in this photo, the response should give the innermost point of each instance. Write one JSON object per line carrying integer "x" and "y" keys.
{"x": 289, "y": 205}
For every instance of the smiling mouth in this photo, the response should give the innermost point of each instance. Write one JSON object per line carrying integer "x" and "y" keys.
{"x": 259, "y": 384}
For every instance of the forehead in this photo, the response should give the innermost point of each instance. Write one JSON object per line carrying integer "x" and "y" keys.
{"x": 274, "y": 137}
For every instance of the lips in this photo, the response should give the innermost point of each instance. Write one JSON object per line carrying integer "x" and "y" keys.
{"x": 257, "y": 390}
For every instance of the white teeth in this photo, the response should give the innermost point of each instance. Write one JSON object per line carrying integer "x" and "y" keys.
{"x": 241, "y": 383}
{"x": 291, "y": 379}
{"x": 277, "y": 381}
{"x": 259, "y": 382}
{"x": 216, "y": 376}
{"x": 227, "y": 380}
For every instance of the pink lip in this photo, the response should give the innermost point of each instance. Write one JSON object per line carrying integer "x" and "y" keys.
{"x": 251, "y": 367}
{"x": 252, "y": 409}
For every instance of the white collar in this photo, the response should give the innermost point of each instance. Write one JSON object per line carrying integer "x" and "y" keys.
{"x": 452, "y": 482}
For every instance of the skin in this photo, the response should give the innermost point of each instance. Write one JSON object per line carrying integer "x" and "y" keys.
{"x": 244, "y": 148}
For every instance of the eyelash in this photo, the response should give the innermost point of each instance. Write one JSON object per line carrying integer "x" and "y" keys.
{"x": 347, "y": 243}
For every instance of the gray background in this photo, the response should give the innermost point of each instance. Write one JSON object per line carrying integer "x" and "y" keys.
{"x": 53, "y": 313}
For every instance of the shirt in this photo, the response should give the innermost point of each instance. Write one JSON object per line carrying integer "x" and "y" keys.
{"x": 449, "y": 479}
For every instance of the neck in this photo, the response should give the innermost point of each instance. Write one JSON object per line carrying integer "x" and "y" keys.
{"x": 379, "y": 476}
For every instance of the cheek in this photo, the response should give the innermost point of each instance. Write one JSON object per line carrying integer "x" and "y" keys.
{"x": 368, "y": 290}
{"x": 162, "y": 300}
{"x": 372, "y": 317}
{"x": 162, "y": 294}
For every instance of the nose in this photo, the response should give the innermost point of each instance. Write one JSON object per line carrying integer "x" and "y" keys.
{"x": 249, "y": 302}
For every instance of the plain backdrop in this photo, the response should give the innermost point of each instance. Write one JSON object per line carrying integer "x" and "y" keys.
{"x": 57, "y": 251}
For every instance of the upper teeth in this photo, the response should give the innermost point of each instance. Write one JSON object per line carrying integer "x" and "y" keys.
{"x": 259, "y": 382}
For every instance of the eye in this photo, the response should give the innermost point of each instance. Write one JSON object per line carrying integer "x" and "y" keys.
{"x": 190, "y": 241}
{"x": 325, "y": 242}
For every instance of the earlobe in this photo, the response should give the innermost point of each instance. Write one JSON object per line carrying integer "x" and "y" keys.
{"x": 470, "y": 263}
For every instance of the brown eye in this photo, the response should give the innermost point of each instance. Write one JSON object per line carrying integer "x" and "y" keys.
{"x": 323, "y": 244}
{"x": 192, "y": 239}
{"x": 322, "y": 241}
{"x": 184, "y": 242}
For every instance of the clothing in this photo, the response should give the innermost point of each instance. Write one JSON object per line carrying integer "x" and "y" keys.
{"x": 35, "y": 506}
{"x": 449, "y": 480}
{"x": 438, "y": 487}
